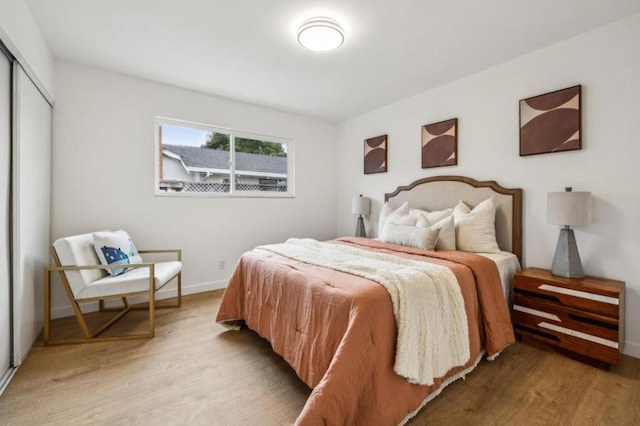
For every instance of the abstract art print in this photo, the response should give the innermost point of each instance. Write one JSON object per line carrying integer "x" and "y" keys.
{"x": 551, "y": 122}
{"x": 375, "y": 155}
{"x": 440, "y": 144}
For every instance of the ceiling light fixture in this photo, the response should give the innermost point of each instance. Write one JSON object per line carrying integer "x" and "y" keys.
{"x": 320, "y": 35}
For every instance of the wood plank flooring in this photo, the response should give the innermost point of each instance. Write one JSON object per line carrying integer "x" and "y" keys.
{"x": 194, "y": 372}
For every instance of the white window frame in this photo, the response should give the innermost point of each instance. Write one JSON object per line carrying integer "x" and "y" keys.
{"x": 233, "y": 193}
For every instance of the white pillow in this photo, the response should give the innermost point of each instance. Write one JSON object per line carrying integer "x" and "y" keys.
{"x": 411, "y": 236}
{"x": 431, "y": 217}
{"x": 398, "y": 216}
{"x": 475, "y": 229}
{"x": 447, "y": 234}
{"x": 115, "y": 248}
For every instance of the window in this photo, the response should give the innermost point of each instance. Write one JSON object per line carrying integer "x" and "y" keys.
{"x": 200, "y": 160}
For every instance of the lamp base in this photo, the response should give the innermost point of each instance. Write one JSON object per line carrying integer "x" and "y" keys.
{"x": 566, "y": 261}
{"x": 360, "y": 232}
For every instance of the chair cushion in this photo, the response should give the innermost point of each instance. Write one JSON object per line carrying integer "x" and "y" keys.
{"x": 78, "y": 250}
{"x": 133, "y": 281}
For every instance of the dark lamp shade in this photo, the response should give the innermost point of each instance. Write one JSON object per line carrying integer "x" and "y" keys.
{"x": 569, "y": 208}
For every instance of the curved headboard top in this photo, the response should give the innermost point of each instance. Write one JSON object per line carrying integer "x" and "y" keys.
{"x": 442, "y": 192}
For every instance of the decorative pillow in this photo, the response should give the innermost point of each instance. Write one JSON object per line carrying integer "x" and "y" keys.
{"x": 447, "y": 234}
{"x": 400, "y": 215}
{"x": 411, "y": 236}
{"x": 384, "y": 213}
{"x": 134, "y": 256}
{"x": 115, "y": 248}
{"x": 475, "y": 229}
{"x": 431, "y": 217}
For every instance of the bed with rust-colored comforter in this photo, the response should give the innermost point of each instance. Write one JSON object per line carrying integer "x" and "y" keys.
{"x": 338, "y": 330}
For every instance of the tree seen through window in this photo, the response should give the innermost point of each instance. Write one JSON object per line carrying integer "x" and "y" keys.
{"x": 221, "y": 141}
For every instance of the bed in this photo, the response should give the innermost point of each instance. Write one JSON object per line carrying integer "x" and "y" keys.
{"x": 350, "y": 336}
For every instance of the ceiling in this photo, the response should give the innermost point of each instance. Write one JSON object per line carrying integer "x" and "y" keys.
{"x": 247, "y": 49}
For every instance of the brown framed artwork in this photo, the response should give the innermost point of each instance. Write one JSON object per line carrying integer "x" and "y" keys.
{"x": 551, "y": 122}
{"x": 375, "y": 155}
{"x": 440, "y": 144}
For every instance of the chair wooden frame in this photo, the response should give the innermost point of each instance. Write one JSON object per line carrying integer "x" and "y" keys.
{"x": 92, "y": 337}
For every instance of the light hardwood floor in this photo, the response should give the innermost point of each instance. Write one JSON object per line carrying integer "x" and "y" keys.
{"x": 194, "y": 372}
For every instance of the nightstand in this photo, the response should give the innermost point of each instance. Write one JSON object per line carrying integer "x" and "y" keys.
{"x": 579, "y": 317}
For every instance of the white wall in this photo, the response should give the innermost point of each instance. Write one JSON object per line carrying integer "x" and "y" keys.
{"x": 607, "y": 64}
{"x": 103, "y": 173}
{"x": 20, "y": 33}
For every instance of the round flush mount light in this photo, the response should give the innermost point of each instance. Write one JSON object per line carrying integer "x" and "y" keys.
{"x": 320, "y": 35}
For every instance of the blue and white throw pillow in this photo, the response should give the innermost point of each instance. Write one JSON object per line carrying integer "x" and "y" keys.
{"x": 115, "y": 248}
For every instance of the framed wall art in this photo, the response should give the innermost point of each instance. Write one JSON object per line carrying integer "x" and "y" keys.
{"x": 551, "y": 122}
{"x": 440, "y": 144}
{"x": 375, "y": 155}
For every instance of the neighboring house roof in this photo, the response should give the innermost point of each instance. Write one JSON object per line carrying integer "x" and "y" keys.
{"x": 205, "y": 158}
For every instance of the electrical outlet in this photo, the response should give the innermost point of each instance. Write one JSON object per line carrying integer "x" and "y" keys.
{"x": 221, "y": 264}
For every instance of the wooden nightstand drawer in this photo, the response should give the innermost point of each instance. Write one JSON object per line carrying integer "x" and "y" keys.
{"x": 559, "y": 292}
{"x": 592, "y": 341}
{"x": 582, "y": 321}
{"x": 578, "y": 316}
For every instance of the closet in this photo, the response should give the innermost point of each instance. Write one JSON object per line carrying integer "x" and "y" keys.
{"x": 6, "y": 322}
{"x": 25, "y": 209}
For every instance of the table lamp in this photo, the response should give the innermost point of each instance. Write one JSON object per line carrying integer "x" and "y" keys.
{"x": 361, "y": 206}
{"x": 568, "y": 209}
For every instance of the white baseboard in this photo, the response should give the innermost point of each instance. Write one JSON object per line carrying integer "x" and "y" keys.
{"x": 165, "y": 293}
{"x": 632, "y": 349}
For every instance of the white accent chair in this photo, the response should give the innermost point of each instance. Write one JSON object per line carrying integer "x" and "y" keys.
{"x": 85, "y": 280}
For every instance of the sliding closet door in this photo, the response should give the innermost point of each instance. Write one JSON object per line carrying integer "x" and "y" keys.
{"x": 32, "y": 208}
{"x": 5, "y": 209}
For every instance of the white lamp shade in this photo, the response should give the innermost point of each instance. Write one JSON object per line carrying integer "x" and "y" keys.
{"x": 569, "y": 208}
{"x": 360, "y": 205}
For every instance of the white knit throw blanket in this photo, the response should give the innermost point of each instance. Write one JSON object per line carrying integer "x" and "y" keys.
{"x": 433, "y": 334}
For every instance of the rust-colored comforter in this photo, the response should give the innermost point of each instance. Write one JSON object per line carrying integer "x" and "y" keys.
{"x": 339, "y": 334}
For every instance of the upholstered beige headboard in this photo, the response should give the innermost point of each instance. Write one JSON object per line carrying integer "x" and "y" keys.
{"x": 441, "y": 192}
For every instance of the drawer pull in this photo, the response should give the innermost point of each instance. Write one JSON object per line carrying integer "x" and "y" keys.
{"x": 536, "y": 312}
{"x": 518, "y": 327}
{"x": 579, "y": 334}
{"x": 582, "y": 294}
{"x": 592, "y": 321}
{"x": 540, "y": 296}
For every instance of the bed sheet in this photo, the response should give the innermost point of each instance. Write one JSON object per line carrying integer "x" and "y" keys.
{"x": 507, "y": 264}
